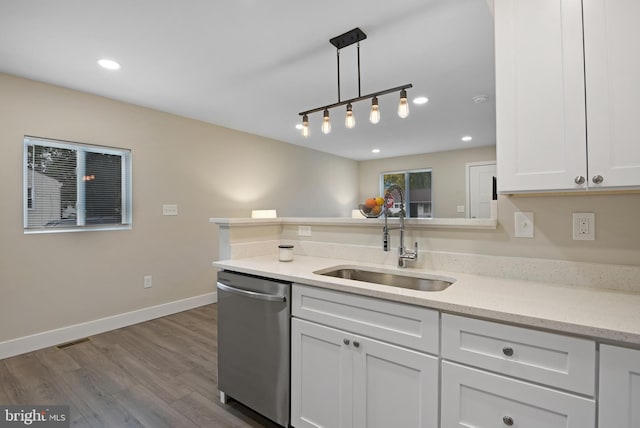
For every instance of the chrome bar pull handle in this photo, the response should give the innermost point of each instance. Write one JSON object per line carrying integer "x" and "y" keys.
{"x": 252, "y": 294}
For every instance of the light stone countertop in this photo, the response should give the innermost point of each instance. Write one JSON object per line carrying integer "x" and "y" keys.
{"x": 605, "y": 315}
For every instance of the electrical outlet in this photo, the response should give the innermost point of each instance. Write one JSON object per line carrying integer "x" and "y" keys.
{"x": 148, "y": 281}
{"x": 304, "y": 230}
{"x": 169, "y": 209}
{"x": 460, "y": 208}
{"x": 584, "y": 226}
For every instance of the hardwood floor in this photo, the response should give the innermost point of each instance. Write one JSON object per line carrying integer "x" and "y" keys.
{"x": 161, "y": 373}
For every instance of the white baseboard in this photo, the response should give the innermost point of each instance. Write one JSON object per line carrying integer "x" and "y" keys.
{"x": 45, "y": 339}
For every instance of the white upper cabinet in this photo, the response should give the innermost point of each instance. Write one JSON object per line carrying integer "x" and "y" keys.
{"x": 612, "y": 70}
{"x": 540, "y": 111}
{"x": 550, "y": 135}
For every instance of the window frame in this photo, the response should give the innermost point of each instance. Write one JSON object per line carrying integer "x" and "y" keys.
{"x": 80, "y": 149}
{"x": 407, "y": 196}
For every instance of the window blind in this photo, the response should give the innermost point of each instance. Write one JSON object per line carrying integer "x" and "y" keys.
{"x": 72, "y": 186}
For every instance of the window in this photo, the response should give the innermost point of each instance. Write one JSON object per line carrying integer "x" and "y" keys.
{"x": 72, "y": 187}
{"x": 416, "y": 186}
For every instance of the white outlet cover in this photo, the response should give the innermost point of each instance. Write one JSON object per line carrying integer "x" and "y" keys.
{"x": 584, "y": 226}
{"x": 460, "y": 208}
{"x": 523, "y": 222}
{"x": 169, "y": 209}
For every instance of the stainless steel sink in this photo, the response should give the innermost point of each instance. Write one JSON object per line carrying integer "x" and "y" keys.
{"x": 410, "y": 281}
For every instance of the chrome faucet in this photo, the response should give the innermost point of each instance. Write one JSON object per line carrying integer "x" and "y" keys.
{"x": 403, "y": 253}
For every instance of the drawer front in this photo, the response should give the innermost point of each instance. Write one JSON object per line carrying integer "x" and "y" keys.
{"x": 401, "y": 324}
{"x": 475, "y": 398}
{"x": 547, "y": 358}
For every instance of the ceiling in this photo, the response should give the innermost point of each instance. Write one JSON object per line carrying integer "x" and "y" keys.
{"x": 253, "y": 65}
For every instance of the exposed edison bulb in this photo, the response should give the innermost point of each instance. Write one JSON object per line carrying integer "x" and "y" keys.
{"x": 349, "y": 121}
{"x": 305, "y": 126}
{"x": 374, "y": 116}
{"x": 403, "y": 107}
{"x": 326, "y": 122}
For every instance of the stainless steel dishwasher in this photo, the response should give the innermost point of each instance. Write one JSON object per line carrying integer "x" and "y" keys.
{"x": 254, "y": 342}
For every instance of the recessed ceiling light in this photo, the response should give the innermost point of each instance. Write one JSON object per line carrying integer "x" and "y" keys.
{"x": 420, "y": 100}
{"x": 299, "y": 126}
{"x": 108, "y": 64}
{"x": 479, "y": 99}
{"x": 375, "y": 151}
{"x": 467, "y": 138}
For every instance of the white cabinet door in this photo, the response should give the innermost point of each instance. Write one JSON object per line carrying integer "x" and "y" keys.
{"x": 342, "y": 380}
{"x": 479, "y": 399}
{"x": 540, "y": 110}
{"x": 393, "y": 386}
{"x": 619, "y": 398}
{"x": 321, "y": 377}
{"x": 612, "y": 70}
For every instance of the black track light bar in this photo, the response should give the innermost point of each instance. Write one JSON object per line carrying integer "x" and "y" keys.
{"x": 353, "y": 100}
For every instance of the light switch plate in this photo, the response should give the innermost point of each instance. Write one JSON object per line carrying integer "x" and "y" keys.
{"x": 304, "y": 230}
{"x": 524, "y": 227}
{"x": 584, "y": 226}
{"x": 169, "y": 209}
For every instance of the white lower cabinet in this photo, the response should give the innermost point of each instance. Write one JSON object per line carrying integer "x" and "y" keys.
{"x": 619, "y": 397}
{"x": 339, "y": 380}
{"x": 479, "y": 399}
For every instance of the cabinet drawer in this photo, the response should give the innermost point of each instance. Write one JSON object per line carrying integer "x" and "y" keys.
{"x": 547, "y": 358}
{"x": 401, "y": 324}
{"x": 474, "y": 398}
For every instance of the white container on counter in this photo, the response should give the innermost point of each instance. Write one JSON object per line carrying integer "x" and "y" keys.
{"x": 286, "y": 253}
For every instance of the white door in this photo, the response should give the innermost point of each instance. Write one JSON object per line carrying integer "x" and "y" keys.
{"x": 321, "y": 377}
{"x": 540, "y": 101}
{"x": 393, "y": 386}
{"x": 479, "y": 399}
{"x": 619, "y": 398}
{"x": 612, "y": 70}
{"x": 480, "y": 189}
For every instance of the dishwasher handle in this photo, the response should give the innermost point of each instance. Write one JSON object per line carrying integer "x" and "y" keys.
{"x": 253, "y": 294}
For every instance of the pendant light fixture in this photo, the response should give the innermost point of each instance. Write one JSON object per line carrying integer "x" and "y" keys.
{"x": 305, "y": 126}
{"x": 347, "y": 39}
{"x": 349, "y": 120}
{"x": 326, "y": 122}
{"x": 403, "y": 107}
{"x": 374, "y": 116}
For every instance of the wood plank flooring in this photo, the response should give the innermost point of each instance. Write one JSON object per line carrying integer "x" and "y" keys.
{"x": 161, "y": 373}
